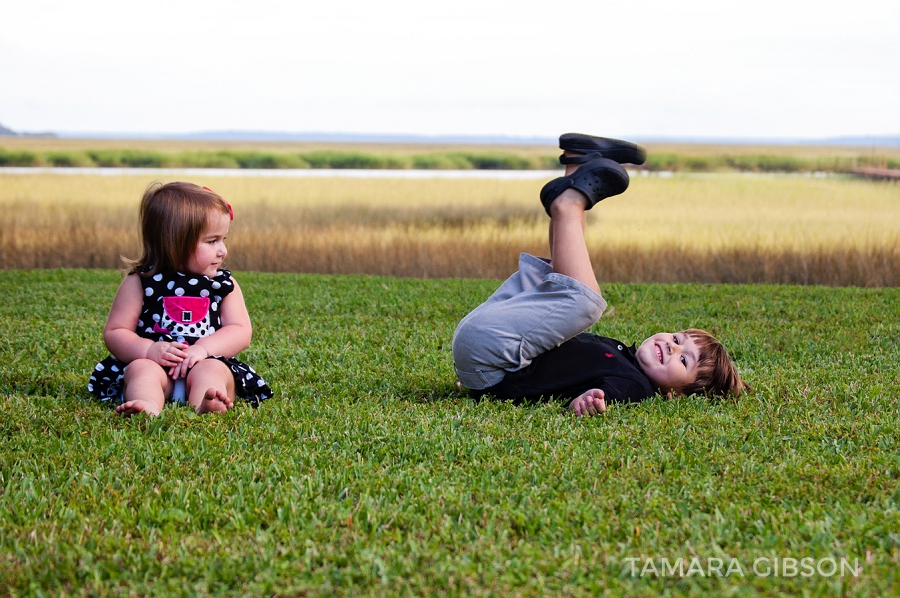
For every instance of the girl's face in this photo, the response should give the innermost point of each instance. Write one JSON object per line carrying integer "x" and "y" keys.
{"x": 211, "y": 251}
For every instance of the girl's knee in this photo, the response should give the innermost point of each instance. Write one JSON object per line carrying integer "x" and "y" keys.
{"x": 208, "y": 367}
{"x": 144, "y": 368}
{"x": 213, "y": 373}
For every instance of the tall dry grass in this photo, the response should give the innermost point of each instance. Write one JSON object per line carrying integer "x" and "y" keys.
{"x": 686, "y": 228}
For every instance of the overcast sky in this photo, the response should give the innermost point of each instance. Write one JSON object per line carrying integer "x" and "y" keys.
{"x": 521, "y": 68}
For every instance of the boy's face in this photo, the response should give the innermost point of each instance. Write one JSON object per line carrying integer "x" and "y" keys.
{"x": 669, "y": 360}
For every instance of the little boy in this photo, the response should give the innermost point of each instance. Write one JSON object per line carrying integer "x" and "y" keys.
{"x": 527, "y": 341}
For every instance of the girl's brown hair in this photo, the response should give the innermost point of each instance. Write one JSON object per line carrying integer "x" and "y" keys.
{"x": 173, "y": 216}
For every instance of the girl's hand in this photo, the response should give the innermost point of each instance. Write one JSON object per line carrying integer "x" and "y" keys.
{"x": 167, "y": 354}
{"x": 193, "y": 355}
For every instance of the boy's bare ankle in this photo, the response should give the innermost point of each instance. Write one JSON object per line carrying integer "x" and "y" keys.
{"x": 569, "y": 201}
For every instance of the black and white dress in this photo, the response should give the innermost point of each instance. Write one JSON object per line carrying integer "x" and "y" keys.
{"x": 184, "y": 308}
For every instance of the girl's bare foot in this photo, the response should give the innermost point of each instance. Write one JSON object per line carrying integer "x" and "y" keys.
{"x": 134, "y": 407}
{"x": 215, "y": 401}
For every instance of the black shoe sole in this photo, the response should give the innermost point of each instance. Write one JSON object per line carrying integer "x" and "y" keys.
{"x": 623, "y": 152}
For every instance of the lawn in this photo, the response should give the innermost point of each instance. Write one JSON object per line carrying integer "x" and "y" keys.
{"x": 369, "y": 473}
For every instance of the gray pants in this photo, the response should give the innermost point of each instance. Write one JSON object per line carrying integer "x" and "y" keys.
{"x": 534, "y": 311}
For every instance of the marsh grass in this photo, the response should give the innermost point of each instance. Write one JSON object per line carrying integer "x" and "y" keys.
{"x": 685, "y": 228}
{"x": 337, "y": 159}
{"x": 272, "y": 155}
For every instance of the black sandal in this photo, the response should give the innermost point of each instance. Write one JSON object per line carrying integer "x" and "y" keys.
{"x": 591, "y": 147}
{"x": 596, "y": 180}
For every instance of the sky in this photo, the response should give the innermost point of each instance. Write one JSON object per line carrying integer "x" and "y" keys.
{"x": 706, "y": 68}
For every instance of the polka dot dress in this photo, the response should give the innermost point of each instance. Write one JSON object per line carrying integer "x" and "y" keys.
{"x": 180, "y": 307}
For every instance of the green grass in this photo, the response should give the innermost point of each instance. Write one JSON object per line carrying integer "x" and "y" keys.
{"x": 370, "y": 473}
{"x": 323, "y": 158}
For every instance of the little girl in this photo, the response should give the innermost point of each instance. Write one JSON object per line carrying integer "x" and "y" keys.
{"x": 178, "y": 318}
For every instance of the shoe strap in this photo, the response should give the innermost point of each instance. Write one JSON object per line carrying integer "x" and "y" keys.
{"x": 580, "y": 159}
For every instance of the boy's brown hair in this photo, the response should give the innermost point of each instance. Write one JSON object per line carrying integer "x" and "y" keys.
{"x": 716, "y": 373}
{"x": 173, "y": 216}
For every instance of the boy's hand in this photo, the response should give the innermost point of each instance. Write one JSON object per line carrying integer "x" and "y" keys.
{"x": 167, "y": 354}
{"x": 590, "y": 403}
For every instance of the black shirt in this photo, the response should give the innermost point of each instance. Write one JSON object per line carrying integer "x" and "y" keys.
{"x": 581, "y": 363}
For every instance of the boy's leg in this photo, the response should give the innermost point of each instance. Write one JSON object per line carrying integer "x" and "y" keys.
{"x": 210, "y": 387}
{"x": 531, "y": 272}
{"x": 568, "y": 250}
{"x": 146, "y": 385}
{"x": 573, "y": 259}
{"x": 513, "y": 327}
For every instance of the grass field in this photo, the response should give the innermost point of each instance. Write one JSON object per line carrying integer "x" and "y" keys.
{"x": 684, "y": 228}
{"x": 371, "y": 474}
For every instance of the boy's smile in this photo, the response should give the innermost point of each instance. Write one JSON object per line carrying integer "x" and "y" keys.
{"x": 669, "y": 360}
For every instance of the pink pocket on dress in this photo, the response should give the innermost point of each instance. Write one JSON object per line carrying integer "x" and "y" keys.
{"x": 186, "y": 310}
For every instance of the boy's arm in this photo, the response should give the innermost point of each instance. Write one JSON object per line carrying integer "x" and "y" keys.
{"x": 618, "y": 389}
